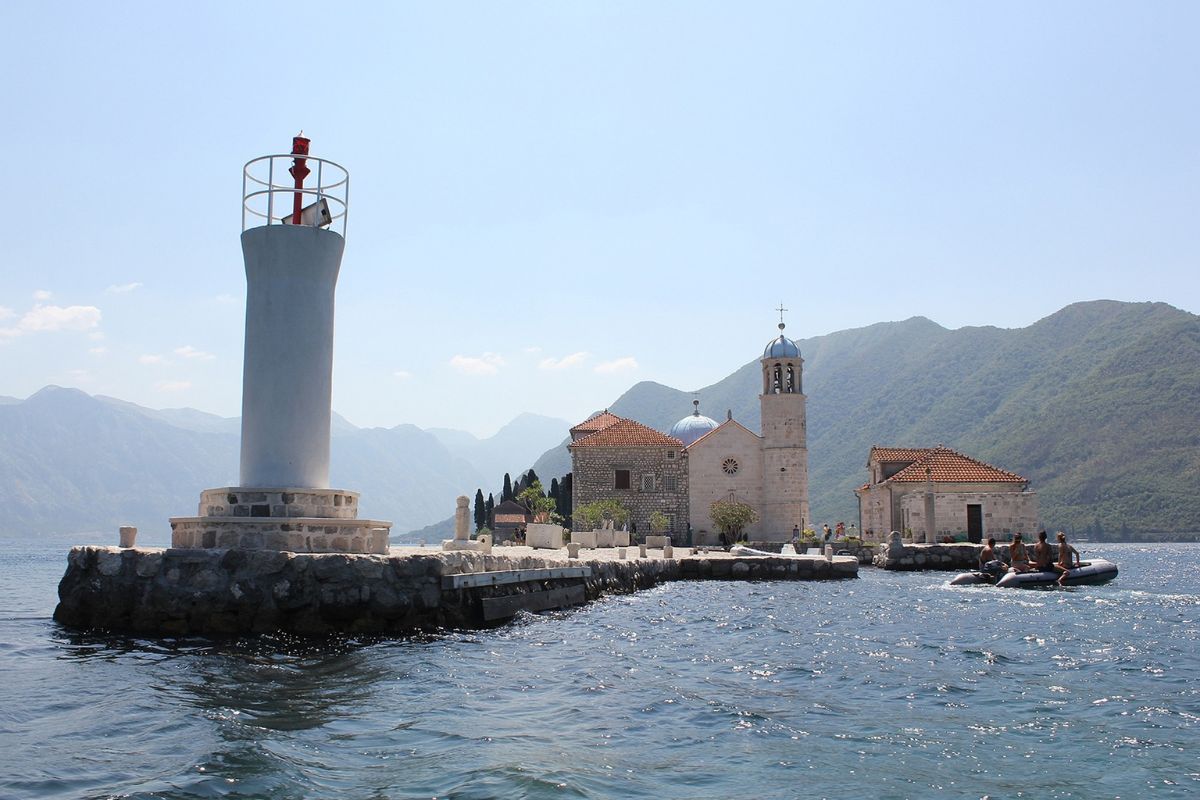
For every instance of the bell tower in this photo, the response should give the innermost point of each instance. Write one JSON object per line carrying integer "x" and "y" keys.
{"x": 784, "y": 439}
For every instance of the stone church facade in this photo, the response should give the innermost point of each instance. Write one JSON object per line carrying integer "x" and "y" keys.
{"x": 700, "y": 461}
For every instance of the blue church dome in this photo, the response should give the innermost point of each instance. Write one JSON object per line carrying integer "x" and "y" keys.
{"x": 782, "y": 347}
{"x": 693, "y": 426}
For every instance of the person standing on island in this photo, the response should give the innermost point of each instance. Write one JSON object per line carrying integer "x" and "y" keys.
{"x": 1017, "y": 555}
{"x": 1042, "y": 555}
{"x": 1064, "y": 564}
{"x": 828, "y": 532}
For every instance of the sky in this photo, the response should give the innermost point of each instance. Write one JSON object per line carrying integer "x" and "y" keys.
{"x": 552, "y": 201}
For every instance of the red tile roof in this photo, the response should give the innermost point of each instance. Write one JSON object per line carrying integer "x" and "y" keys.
{"x": 950, "y": 466}
{"x": 897, "y": 453}
{"x": 626, "y": 433}
{"x": 596, "y": 422}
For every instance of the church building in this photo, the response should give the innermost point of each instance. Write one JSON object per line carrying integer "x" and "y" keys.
{"x": 680, "y": 474}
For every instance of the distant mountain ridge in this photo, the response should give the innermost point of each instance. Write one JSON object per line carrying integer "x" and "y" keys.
{"x": 73, "y": 462}
{"x": 512, "y": 449}
{"x": 1098, "y": 404}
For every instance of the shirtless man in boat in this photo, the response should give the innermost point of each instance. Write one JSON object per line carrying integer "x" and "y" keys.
{"x": 1064, "y": 563}
{"x": 1017, "y": 555}
{"x": 1043, "y": 556}
{"x": 989, "y": 562}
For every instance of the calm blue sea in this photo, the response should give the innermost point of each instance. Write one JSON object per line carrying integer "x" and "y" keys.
{"x": 890, "y": 686}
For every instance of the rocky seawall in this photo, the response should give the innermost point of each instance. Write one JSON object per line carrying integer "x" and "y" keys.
{"x": 908, "y": 557}
{"x": 213, "y": 591}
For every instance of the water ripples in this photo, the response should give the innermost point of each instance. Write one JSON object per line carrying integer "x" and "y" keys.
{"x": 895, "y": 685}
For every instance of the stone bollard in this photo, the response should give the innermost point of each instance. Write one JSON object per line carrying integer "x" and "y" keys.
{"x": 128, "y": 535}
{"x": 642, "y": 550}
{"x": 572, "y": 550}
{"x": 829, "y": 552}
{"x": 485, "y": 542}
{"x": 621, "y": 553}
{"x": 668, "y": 551}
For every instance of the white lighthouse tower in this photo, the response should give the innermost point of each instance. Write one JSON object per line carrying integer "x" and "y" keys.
{"x": 292, "y": 242}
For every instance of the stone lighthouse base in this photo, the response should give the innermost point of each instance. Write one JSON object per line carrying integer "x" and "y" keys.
{"x": 295, "y": 520}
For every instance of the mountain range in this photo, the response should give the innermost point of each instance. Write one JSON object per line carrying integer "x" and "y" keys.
{"x": 1097, "y": 404}
{"x": 73, "y": 462}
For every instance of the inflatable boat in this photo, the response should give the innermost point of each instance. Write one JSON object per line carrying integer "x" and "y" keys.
{"x": 1088, "y": 573}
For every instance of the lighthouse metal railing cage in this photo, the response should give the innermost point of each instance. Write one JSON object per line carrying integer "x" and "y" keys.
{"x": 272, "y": 196}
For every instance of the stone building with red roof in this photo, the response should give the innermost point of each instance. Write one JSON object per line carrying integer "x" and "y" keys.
{"x": 645, "y": 470}
{"x": 929, "y": 493}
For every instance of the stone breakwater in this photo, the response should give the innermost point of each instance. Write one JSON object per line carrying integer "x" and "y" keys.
{"x": 178, "y": 592}
{"x": 907, "y": 557}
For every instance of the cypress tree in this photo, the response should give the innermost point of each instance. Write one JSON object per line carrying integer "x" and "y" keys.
{"x": 507, "y": 494}
{"x": 490, "y": 511}
{"x": 565, "y": 501}
{"x": 480, "y": 510}
{"x": 529, "y": 477}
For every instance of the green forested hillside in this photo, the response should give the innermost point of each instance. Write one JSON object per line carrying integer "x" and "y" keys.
{"x": 1098, "y": 404}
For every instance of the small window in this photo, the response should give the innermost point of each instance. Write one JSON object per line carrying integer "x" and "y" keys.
{"x": 670, "y": 455}
{"x": 670, "y": 484}
{"x": 647, "y": 483}
{"x": 622, "y": 479}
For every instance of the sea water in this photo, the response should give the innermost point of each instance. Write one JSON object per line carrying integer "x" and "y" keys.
{"x": 894, "y": 685}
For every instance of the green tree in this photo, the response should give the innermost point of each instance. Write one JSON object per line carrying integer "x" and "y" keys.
{"x": 540, "y": 506}
{"x": 658, "y": 522}
{"x": 480, "y": 510}
{"x": 491, "y": 512}
{"x": 507, "y": 493}
{"x": 565, "y": 501}
{"x": 732, "y": 518}
{"x": 530, "y": 478}
{"x": 593, "y": 513}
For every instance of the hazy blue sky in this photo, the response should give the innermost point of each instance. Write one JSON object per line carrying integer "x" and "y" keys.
{"x": 551, "y": 201}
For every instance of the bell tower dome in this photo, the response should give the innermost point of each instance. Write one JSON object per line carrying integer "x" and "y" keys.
{"x": 785, "y": 437}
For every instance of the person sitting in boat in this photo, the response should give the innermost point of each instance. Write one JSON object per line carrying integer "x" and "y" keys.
{"x": 989, "y": 562}
{"x": 1065, "y": 553}
{"x": 1018, "y": 556}
{"x": 1043, "y": 556}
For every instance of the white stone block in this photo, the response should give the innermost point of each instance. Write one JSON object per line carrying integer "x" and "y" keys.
{"x": 621, "y": 538}
{"x": 604, "y": 537}
{"x": 583, "y": 538}
{"x": 544, "y": 536}
{"x": 658, "y": 542}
